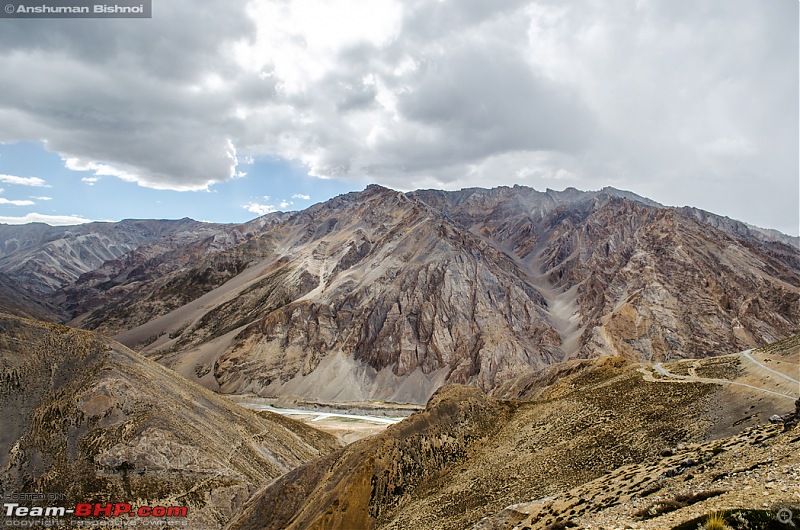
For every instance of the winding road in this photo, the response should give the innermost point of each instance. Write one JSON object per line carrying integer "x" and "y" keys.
{"x": 746, "y": 354}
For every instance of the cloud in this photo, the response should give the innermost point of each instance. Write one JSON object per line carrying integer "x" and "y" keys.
{"x": 16, "y": 202}
{"x": 53, "y": 220}
{"x": 39, "y": 198}
{"x": 285, "y": 204}
{"x": 259, "y": 209}
{"x": 730, "y": 147}
{"x": 24, "y": 181}
{"x": 691, "y": 103}
{"x": 152, "y": 104}
{"x": 301, "y": 196}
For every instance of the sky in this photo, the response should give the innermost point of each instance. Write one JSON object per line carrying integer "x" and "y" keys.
{"x": 223, "y": 111}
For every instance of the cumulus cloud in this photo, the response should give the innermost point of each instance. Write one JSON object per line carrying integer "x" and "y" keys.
{"x": 38, "y": 198}
{"x": 259, "y": 209}
{"x": 152, "y": 103}
{"x": 262, "y": 206}
{"x": 301, "y": 196}
{"x": 676, "y": 100}
{"x": 24, "y": 181}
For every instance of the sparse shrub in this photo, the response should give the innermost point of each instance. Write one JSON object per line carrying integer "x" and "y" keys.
{"x": 716, "y": 521}
{"x": 676, "y": 503}
{"x": 736, "y": 519}
{"x": 691, "y": 498}
{"x": 660, "y": 508}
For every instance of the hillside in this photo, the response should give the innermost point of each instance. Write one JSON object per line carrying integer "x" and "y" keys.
{"x": 86, "y": 417}
{"x": 626, "y": 276}
{"x": 581, "y": 429}
{"x": 76, "y": 269}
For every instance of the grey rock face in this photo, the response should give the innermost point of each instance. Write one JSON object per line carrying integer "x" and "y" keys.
{"x": 386, "y": 295}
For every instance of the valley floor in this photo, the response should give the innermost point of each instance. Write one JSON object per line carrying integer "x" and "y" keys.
{"x": 348, "y": 422}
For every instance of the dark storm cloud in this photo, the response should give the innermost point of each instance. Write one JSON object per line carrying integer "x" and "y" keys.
{"x": 690, "y": 102}
{"x": 124, "y": 93}
{"x": 182, "y": 39}
{"x": 488, "y": 100}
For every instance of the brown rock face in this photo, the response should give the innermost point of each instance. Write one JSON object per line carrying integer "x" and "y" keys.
{"x": 369, "y": 296}
{"x": 644, "y": 281}
{"x": 477, "y": 286}
{"x": 672, "y": 287}
{"x": 417, "y": 297}
{"x": 85, "y": 417}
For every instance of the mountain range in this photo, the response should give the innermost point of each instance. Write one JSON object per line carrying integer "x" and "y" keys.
{"x": 387, "y": 295}
{"x": 585, "y": 359}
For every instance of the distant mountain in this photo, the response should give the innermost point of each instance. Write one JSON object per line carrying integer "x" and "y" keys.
{"x": 46, "y": 258}
{"x": 88, "y": 418}
{"x": 386, "y": 295}
{"x": 43, "y": 260}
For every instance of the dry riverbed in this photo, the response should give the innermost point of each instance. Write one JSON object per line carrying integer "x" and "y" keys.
{"x": 347, "y": 421}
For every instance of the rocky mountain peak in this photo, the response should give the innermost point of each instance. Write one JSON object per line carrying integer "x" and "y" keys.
{"x": 389, "y": 295}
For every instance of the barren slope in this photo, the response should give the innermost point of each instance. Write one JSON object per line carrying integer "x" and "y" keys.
{"x": 86, "y": 417}
{"x": 468, "y": 456}
{"x": 371, "y": 295}
{"x": 384, "y": 295}
{"x": 752, "y": 471}
{"x": 634, "y": 278}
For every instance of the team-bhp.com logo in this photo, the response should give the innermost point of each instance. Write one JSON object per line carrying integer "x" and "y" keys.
{"x": 85, "y": 509}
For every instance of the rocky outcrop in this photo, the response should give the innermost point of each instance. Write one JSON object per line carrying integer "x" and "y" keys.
{"x": 640, "y": 280}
